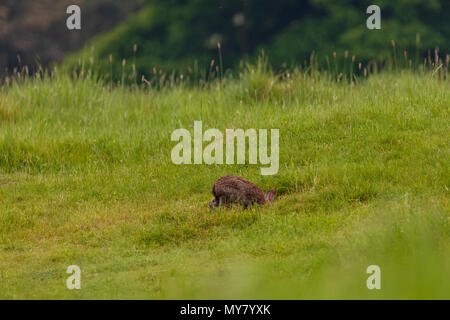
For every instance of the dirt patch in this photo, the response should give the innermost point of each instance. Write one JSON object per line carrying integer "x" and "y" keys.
{"x": 37, "y": 28}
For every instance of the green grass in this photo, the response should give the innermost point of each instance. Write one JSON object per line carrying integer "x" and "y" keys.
{"x": 86, "y": 178}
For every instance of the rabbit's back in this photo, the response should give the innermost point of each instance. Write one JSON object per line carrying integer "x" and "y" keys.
{"x": 236, "y": 189}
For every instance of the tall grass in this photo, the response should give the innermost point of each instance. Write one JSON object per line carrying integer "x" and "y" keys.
{"x": 86, "y": 179}
{"x": 340, "y": 66}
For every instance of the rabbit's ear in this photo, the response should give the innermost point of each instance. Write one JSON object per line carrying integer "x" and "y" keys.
{"x": 270, "y": 195}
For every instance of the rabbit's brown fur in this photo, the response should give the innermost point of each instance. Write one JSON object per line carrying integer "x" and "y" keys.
{"x": 231, "y": 189}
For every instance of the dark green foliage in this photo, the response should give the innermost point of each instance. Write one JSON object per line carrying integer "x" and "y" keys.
{"x": 183, "y": 35}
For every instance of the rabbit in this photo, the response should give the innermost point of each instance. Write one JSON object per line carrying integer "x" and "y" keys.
{"x": 231, "y": 189}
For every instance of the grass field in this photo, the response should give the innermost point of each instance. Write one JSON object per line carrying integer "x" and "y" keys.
{"x": 86, "y": 179}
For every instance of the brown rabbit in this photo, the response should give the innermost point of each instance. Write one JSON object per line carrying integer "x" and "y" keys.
{"x": 230, "y": 189}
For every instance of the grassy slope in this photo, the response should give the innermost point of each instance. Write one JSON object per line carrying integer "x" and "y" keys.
{"x": 86, "y": 179}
